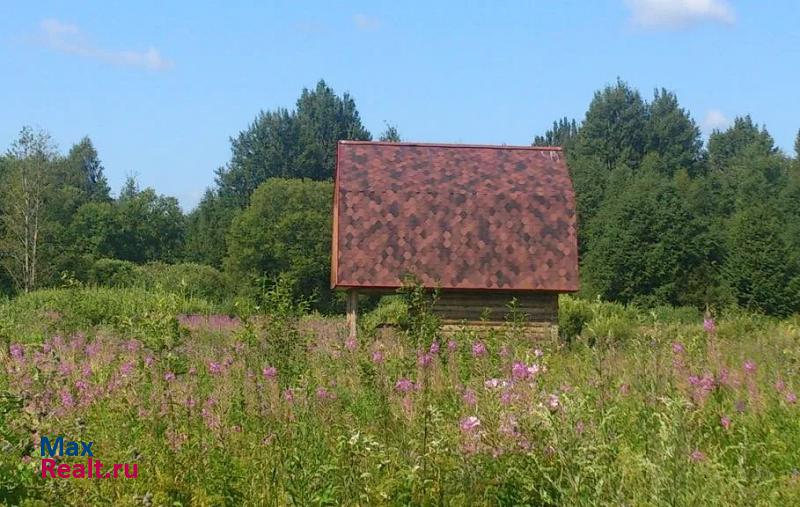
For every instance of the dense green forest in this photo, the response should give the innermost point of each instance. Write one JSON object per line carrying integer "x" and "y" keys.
{"x": 663, "y": 217}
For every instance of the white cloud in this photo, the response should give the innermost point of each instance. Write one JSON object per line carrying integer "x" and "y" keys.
{"x": 366, "y": 23}
{"x": 68, "y": 38}
{"x": 679, "y": 13}
{"x": 715, "y": 120}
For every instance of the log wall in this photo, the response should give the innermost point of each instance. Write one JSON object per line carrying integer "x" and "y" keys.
{"x": 490, "y": 308}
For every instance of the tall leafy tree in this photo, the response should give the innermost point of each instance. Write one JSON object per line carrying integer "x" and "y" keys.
{"x": 672, "y": 134}
{"x": 562, "y": 133}
{"x": 723, "y": 146}
{"x": 25, "y": 186}
{"x": 286, "y": 230}
{"x": 390, "y": 135}
{"x": 760, "y": 268}
{"x": 323, "y": 119}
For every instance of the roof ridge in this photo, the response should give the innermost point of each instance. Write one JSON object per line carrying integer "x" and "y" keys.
{"x": 455, "y": 145}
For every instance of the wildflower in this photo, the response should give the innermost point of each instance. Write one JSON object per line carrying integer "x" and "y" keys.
{"x": 434, "y": 347}
{"x": 169, "y": 376}
{"x": 288, "y": 395}
{"x": 538, "y": 352}
{"x": 741, "y": 406}
{"x": 269, "y": 372}
{"x": 780, "y": 385}
{"x": 214, "y": 367}
{"x": 709, "y": 325}
{"x": 132, "y": 345}
{"x": 478, "y": 349}
{"x": 749, "y": 366}
{"x": 324, "y": 394}
{"x": 553, "y": 402}
{"x": 725, "y": 422}
{"x": 66, "y": 399}
{"x": 64, "y": 368}
{"x": 468, "y": 424}
{"x": 791, "y": 398}
{"x": 86, "y": 370}
{"x": 377, "y": 357}
{"x": 697, "y": 456}
{"x": 452, "y": 345}
{"x": 148, "y": 361}
{"x": 351, "y": 344}
{"x": 534, "y": 369}
{"x": 424, "y": 360}
{"x": 404, "y": 385}
{"x": 677, "y": 348}
{"x": 192, "y": 371}
{"x": 519, "y": 371}
{"x": 509, "y": 427}
{"x": 81, "y": 385}
{"x": 494, "y": 383}
{"x": 470, "y": 398}
{"x": 92, "y": 349}
{"x": 507, "y": 398}
{"x": 504, "y": 351}
{"x": 624, "y": 389}
{"x": 16, "y": 351}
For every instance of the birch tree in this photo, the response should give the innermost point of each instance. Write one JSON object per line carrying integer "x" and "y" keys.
{"x": 22, "y": 207}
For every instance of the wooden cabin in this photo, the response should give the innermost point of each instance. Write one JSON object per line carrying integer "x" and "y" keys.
{"x": 483, "y": 224}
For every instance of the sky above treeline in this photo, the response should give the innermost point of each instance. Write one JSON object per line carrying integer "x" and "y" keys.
{"x": 161, "y": 86}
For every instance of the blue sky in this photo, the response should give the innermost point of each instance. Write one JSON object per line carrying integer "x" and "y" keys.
{"x": 161, "y": 86}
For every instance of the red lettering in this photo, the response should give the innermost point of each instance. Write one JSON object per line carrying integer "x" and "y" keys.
{"x": 117, "y": 466}
{"x": 97, "y": 466}
{"x": 135, "y": 471}
{"x": 47, "y": 467}
{"x": 63, "y": 470}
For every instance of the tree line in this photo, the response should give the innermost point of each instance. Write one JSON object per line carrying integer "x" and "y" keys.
{"x": 663, "y": 217}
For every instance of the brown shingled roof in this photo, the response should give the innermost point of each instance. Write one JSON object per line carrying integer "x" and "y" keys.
{"x": 454, "y": 216}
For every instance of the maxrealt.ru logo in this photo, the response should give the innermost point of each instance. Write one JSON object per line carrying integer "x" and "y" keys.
{"x": 91, "y": 469}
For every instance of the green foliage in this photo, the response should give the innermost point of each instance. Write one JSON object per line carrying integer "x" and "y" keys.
{"x": 286, "y": 231}
{"x": 391, "y": 311}
{"x": 759, "y": 268}
{"x": 188, "y": 280}
{"x": 573, "y": 315}
{"x": 563, "y": 133}
{"x": 620, "y": 424}
{"x": 113, "y": 273}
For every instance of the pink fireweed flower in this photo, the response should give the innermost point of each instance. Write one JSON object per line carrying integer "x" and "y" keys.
{"x": 92, "y": 349}
{"x": 749, "y": 366}
{"x": 519, "y": 371}
{"x": 404, "y": 385}
{"x": 288, "y": 395}
{"x": 424, "y": 360}
{"x": 86, "y": 369}
{"x": 791, "y": 398}
{"x": 507, "y": 397}
{"x": 81, "y": 385}
{"x": 192, "y": 371}
{"x": 624, "y": 389}
{"x": 697, "y": 456}
{"x": 494, "y": 383}
{"x": 504, "y": 351}
{"x": 553, "y": 402}
{"x": 725, "y": 422}
{"x": 64, "y": 368}
{"x": 16, "y": 351}
{"x": 780, "y": 385}
{"x": 434, "y": 347}
{"x": 478, "y": 349}
{"x": 214, "y": 368}
{"x": 169, "y": 376}
{"x": 148, "y": 361}
{"x": 66, "y": 399}
{"x": 677, "y": 348}
{"x": 377, "y": 357}
{"x": 452, "y": 345}
{"x": 132, "y": 345}
{"x": 269, "y": 372}
{"x": 351, "y": 344}
{"x": 534, "y": 370}
{"x": 469, "y": 424}
{"x": 324, "y": 394}
{"x": 709, "y": 325}
{"x": 538, "y": 352}
{"x": 470, "y": 398}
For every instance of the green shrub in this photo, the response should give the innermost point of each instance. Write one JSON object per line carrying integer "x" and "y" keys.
{"x": 188, "y": 280}
{"x": 391, "y": 310}
{"x": 573, "y": 315}
{"x": 112, "y": 273}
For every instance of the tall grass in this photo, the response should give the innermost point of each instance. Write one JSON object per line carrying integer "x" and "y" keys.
{"x": 279, "y": 409}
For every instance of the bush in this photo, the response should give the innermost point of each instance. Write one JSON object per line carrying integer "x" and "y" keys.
{"x": 391, "y": 310}
{"x": 573, "y": 315}
{"x": 112, "y": 273}
{"x": 189, "y": 280}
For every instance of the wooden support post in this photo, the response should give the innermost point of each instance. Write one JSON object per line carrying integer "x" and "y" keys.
{"x": 352, "y": 312}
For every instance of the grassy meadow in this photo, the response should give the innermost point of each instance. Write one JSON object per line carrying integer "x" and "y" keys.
{"x": 272, "y": 406}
